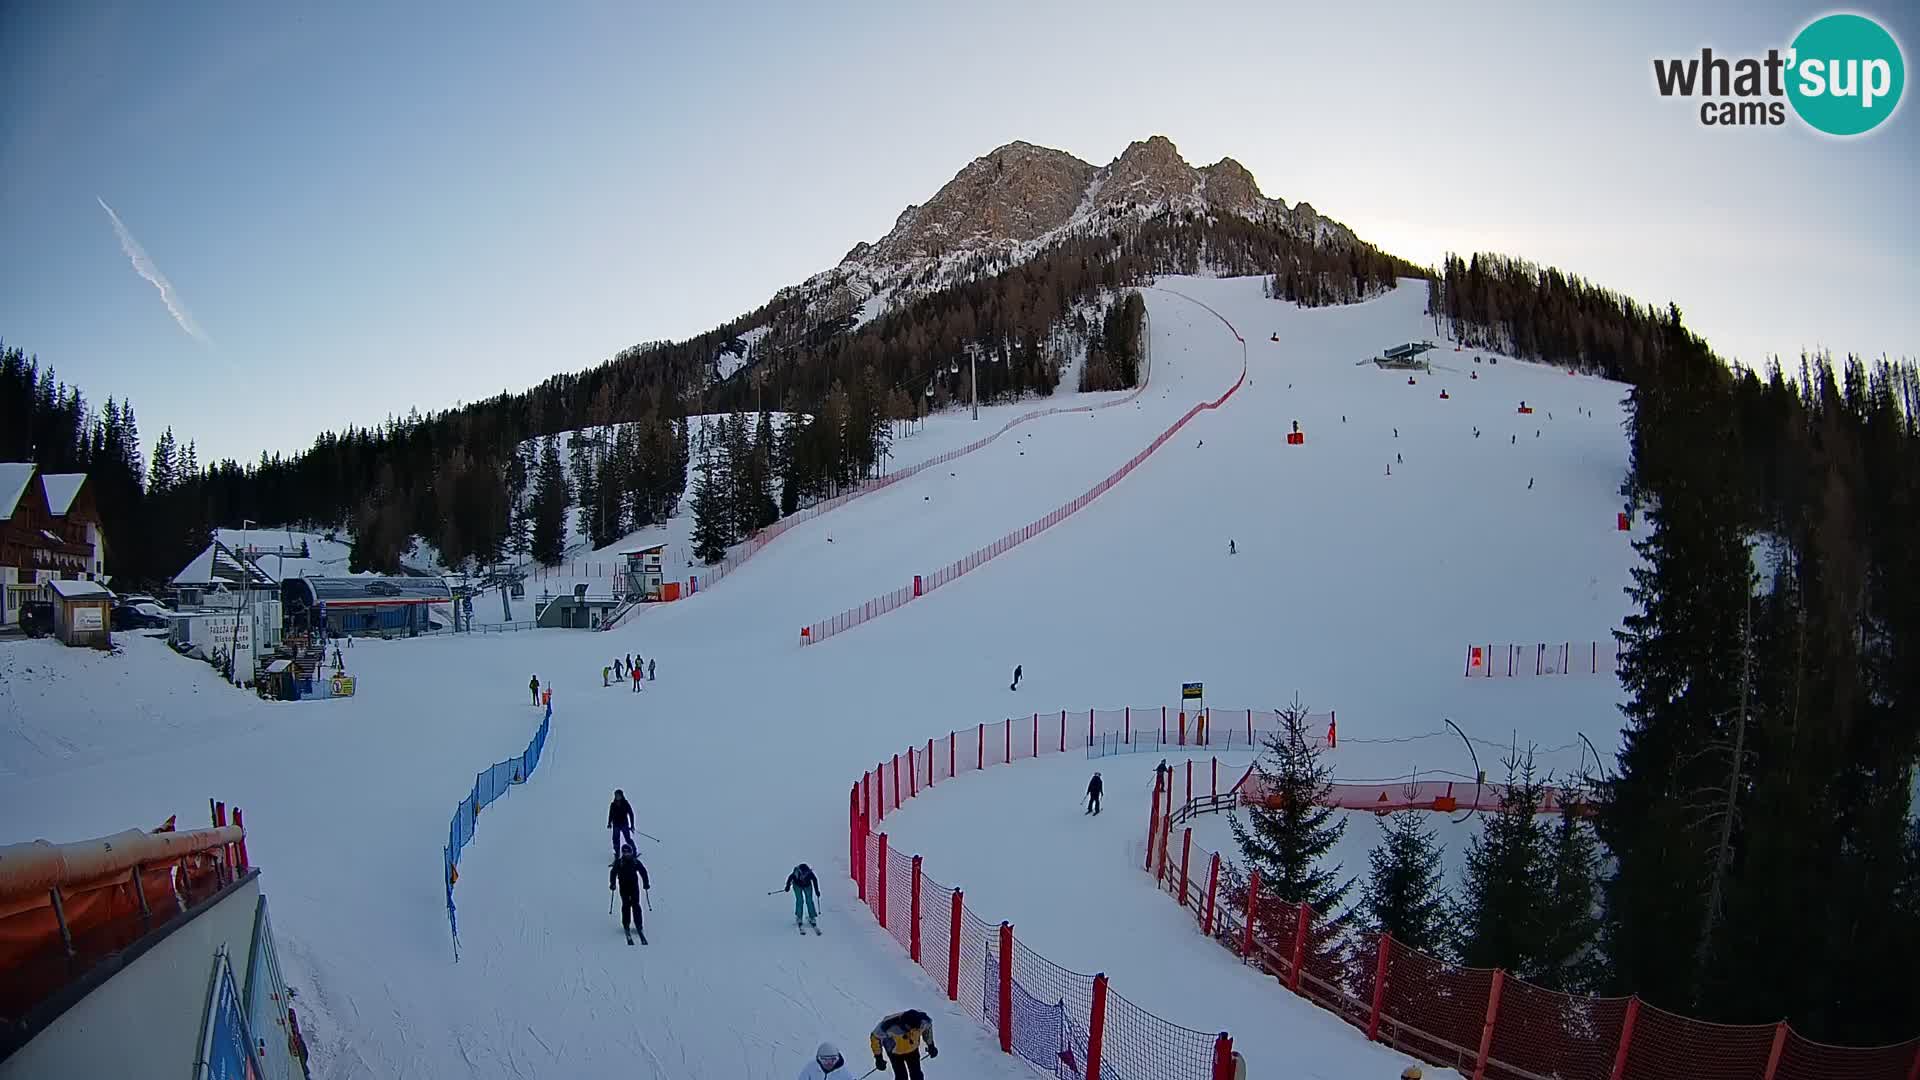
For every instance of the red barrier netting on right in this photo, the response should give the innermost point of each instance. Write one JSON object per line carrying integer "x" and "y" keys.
{"x": 1433, "y": 1009}
{"x": 1543, "y": 1032}
{"x": 1667, "y": 1046}
{"x": 899, "y": 897}
{"x": 1804, "y": 1059}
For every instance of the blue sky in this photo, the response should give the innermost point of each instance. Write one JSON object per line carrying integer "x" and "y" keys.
{"x": 364, "y": 210}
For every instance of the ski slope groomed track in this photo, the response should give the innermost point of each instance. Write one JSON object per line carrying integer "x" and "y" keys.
{"x": 1356, "y": 589}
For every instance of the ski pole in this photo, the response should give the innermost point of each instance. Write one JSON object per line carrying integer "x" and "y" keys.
{"x": 609, "y": 901}
{"x": 649, "y": 836}
{"x": 649, "y": 893}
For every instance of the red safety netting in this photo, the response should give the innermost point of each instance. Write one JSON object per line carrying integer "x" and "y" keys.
{"x": 899, "y": 897}
{"x": 1804, "y": 1059}
{"x": 1546, "y": 1033}
{"x": 966, "y": 564}
{"x": 1666, "y": 1046}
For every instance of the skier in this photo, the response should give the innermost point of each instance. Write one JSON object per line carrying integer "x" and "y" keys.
{"x": 620, "y": 819}
{"x": 826, "y": 1062}
{"x": 631, "y": 874}
{"x": 1016, "y": 678}
{"x": 1396, "y": 433}
{"x": 1163, "y": 775}
{"x": 636, "y": 680}
{"x": 804, "y": 886}
{"x": 629, "y": 661}
{"x": 653, "y": 666}
{"x": 533, "y": 685}
{"x": 1529, "y": 483}
{"x": 1231, "y": 550}
{"x": 1398, "y": 460}
{"x": 1094, "y": 787}
{"x": 606, "y": 676}
{"x": 900, "y": 1036}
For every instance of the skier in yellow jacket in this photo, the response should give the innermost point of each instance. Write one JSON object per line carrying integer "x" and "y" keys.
{"x": 898, "y": 1037}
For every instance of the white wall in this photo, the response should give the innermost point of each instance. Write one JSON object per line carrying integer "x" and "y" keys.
{"x": 146, "y": 1019}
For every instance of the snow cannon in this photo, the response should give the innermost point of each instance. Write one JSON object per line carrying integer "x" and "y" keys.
{"x": 1296, "y": 437}
{"x": 1526, "y": 409}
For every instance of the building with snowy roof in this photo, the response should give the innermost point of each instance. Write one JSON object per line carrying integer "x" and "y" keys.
{"x": 82, "y": 613}
{"x": 49, "y": 529}
{"x": 367, "y": 604}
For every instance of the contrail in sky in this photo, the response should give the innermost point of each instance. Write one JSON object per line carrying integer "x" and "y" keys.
{"x": 143, "y": 265}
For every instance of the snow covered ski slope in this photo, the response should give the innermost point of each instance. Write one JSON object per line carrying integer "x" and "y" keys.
{"x": 1357, "y": 589}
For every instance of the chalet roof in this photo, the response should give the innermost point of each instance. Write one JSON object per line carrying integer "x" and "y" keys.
{"x": 219, "y": 564}
{"x": 374, "y": 589}
{"x": 14, "y": 478}
{"x": 61, "y": 489}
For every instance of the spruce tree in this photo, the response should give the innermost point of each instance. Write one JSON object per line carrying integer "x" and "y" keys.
{"x": 710, "y": 532}
{"x": 550, "y": 502}
{"x": 1570, "y": 920}
{"x": 1403, "y": 894}
{"x": 1288, "y": 833}
{"x": 1506, "y": 890}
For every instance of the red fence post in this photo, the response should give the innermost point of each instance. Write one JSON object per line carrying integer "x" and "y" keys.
{"x": 1486, "y": 1029}
{"x": 952, "y": 737}
{"x": 1626, "y": 1040}
{"x": 1213, "y": 890}
{"x": 1223, "y": 1058}
{"x": 1063, "y": 731}
{"x": 930, "y": 765}
{"x": 980, "y": 761}
{"x": 1253, "y": 909}
{"x": 882, "y": 909}
{"x": 1186, "y": 853}
{"x": 1249, "y": 729}
{"x": 913, "y": 913}
{"x": 1163, "y": 725}
{"x": 1089, "y": 728}
{"x": 1097, "y": 1025}
{"x": 1153, "y": 821}
{"x": 1779, "y": 1045}
{"x": 1189, "y": 801}
{"x": 1126, "y": 729}
{"x": 1300, "y": 927}
{"x": 880, "y": 781}
{"x": 913, "y": 775}
{"x": 1036, "y": 735}
{"x": 1216, "y": 778}
{"x": 1379, "y": 988}
{"x": 953, "y": 949}
{"x": 1007, "y": 734}
{"x": 853, "y": 834}
{"x": 1006, "y": 988}
{"x": 240, "y": 845}
{"x": 896, "y": 781}
{"x": 1183, "y": 727}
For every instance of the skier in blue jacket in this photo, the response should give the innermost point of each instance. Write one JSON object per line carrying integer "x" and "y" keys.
{"x": 803, "y": 885}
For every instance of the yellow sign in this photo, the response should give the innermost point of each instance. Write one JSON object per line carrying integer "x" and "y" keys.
{"x": 342, "y": 686}
{"x": 1190, "y": 691}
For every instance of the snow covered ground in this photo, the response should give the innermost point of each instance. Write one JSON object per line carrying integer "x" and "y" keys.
{"x": 1356, "y": 589}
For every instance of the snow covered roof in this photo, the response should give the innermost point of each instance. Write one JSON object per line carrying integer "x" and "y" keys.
{"x": 61, "y": 489}
{"x": 78, "y": 590}
{"x": 219, "y": 564}
{"x": 14, "y": 478}
{"x": 376, "y": 589}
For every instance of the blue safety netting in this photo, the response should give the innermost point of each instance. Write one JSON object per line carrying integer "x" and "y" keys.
{"x": 488, "y": 785}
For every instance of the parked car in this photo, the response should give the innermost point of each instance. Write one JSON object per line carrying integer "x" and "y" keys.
{"x": 145, "y": 616}
{"x": 36, "y": 617}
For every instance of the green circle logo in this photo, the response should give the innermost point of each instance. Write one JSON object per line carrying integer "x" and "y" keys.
{"x": 1847, "y": 74}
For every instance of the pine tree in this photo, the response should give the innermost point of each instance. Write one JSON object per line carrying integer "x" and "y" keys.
{"x": 762, "y": 510}
{"x": 586, "y": 486}
{"x": 1570, "y": 920}
{"x": 1506, "y": 890}
{"x": 1287, "y": 835}
{"x": 163, "y": 474}
{"x": 710, "y": 535}
{"x": 1403, "y": 894}
{"x": 550, "y": 503}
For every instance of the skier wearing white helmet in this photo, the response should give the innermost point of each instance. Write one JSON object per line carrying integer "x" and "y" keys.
{"x": 827, "y": 1064}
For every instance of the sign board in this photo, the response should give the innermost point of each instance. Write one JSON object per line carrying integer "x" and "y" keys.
{"x": 226, "y": 1047}
{"x": 1190, "y": 691}
{"x": 342, "y": 686}
{"x": 88, "y": 618}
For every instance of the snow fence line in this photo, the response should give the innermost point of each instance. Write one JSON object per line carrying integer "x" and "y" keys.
{"x": 489, "y": 784}
{"x": 1069, "y": 1025}
{"x": 1484, "y": 1023}
{"x": 758, "y": 542}
{"x": 1503, "y": 660}
{"x": 926, "y": 583}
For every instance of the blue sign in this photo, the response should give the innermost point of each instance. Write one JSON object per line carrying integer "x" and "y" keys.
{"x": 228, "y": 1049}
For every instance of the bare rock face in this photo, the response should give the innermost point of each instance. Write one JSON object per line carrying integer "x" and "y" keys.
{"x": 1227, "y": 185}
{"x": 1148, "y": 174}
{"x": 1016, "y": 193}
